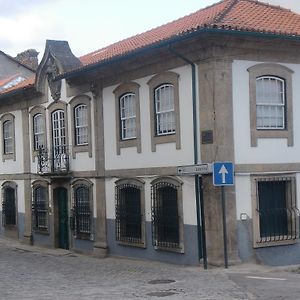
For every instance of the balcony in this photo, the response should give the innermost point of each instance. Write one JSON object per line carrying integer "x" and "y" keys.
{"x": 54, "y": 161}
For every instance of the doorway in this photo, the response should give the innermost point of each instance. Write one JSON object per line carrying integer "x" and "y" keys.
{"x": 62, "y": 217}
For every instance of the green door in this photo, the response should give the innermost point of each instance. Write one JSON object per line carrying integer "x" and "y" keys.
{"x": 63, "y": 225}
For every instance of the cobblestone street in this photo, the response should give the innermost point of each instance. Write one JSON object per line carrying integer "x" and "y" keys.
{"x": 36, "y": 273}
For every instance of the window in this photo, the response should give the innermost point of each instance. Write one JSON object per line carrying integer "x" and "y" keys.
{"x": 128, "y": 116}
{"x": 164, "y": 109}
{"x": 40, "y": 208}
{"x": 128, "y": 125}
{"x": 271, "y": 102}
{"x": 38, "y": 132}
{"x": 82, "y": 211}
{"x": 8, "y": 137}
{"x": 277, "y": 214}
{"x": 167, "y": 227}
{"x": 9, "y": 210}
{"x": 130, "y": 225}
{"x": 81, "y": 125}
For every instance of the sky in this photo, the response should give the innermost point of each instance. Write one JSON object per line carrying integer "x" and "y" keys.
{"x": 89, "y": 25}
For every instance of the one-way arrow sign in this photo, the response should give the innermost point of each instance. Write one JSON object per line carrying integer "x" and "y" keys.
{"x": 223, "y": 173}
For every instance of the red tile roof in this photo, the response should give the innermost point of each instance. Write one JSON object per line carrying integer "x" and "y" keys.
{"x": 236, "y": 15}
{"x": 25, "y": 84}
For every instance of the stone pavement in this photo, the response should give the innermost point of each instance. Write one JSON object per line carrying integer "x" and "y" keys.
{"x": 29, "y": 272}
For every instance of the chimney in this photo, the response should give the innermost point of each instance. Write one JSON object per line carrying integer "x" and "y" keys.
{"x": 29, "y": 58}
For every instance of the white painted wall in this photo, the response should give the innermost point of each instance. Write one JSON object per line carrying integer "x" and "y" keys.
{"x": 267, "y": 150}
{"x": 188, "y": 196}
{"x": 243, "y": 195}
{"x": 166, "y": 154}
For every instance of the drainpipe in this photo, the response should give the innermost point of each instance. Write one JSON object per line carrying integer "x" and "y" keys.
{"x": 198, "y": 180}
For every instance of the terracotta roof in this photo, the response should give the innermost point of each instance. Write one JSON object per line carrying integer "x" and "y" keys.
{"x": 25, "y": 84}
{"x": 233, "y": 15}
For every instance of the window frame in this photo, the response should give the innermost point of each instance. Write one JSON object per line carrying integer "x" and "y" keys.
{"x": 167, "y": 78}
{"x": 277, "y": 71}
{"x": 8, "y": 118}
{"x": 75, "y": 103}
{"x": 88, "y": 185}
{"x": 119, "y": 186}
{"x": 291, "y": 207}
{"x": 35, "y": 226}
{"x": 177, "y": 185}
{"x": 119, "y": 91}
{"x": 32, "y": 113}
{"x": 125, "y": 118}
{"x": 13, "y": 186}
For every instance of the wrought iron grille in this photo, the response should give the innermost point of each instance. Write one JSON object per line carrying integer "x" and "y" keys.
{"x": 39, "y": 209}
{"x": 9, "y": 206}
{"x": 55, "y": 160}
{"x": 277, "y": 210}
{"x": 128, "y": 214}
{"x": 82, "y": 211}
{"x": 165, "y": 218}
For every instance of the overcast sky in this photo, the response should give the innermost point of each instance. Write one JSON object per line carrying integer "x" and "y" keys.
{"x": 90, "y": 24}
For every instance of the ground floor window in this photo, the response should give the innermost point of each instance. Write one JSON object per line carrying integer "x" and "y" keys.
{"x": 167, "y": 214}
{"x": 277, "y": 213}
{"x": 40, "y": 208}
{"x": 9, "y": 210}
{"x": 82, "y": 211}
{"x": 129, "y": 217}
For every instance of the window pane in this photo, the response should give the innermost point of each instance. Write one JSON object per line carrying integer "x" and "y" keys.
{"x": 8, "y": 137}
{"x": 128, "y": 116}
{"x": 82, "y": 210}
{"x": 38, "y": 131}
{"x": 81, "y": 124}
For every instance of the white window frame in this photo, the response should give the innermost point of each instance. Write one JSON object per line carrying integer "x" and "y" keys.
{"x": 165, "y": 118}
{"x": 38, "y": 131}
{"x": 127, "y": 115}
{"x": 269, "y": 105}
{"x": 8, "y": 137}
{"x": 81, "y": 125}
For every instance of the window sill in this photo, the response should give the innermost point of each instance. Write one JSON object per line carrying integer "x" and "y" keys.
{"x": 42, "y": 232}
{"x": 287, "y": 241}
{"x": 136, "y": 245}
{"x": 86, "y": 237}
{"x": 179, "y": 250}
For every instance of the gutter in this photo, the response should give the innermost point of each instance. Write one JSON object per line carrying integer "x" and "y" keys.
{"x": 166, "y": 43}
{"x": 198, "y": 184}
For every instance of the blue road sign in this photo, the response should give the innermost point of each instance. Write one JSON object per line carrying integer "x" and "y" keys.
{"x": 223, "y": 173}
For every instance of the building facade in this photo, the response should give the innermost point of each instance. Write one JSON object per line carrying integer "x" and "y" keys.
{"x": 90, "y": 149}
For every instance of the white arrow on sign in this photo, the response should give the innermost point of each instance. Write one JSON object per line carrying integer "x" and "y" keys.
{"x": 223, "y": 171}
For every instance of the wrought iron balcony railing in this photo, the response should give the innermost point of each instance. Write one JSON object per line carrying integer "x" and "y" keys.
{"x": 54, "y": 161}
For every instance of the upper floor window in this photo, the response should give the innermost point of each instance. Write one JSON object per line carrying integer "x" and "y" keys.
{"x": 164, "y": 109}
{"x": 38, "y": 131}
{"x": 8, "y": 137}
{"x": 270, "y": 103}
{"x": 128, "y": 124}
{"x": 128, "y": 116}
{"x": 81, "y": 124}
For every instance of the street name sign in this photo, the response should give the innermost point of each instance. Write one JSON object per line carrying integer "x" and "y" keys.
{"x": 195, "y": 169}
{"x": 223, "y": 173}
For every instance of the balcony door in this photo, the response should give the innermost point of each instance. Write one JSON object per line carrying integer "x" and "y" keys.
{"x": 59, "y": 146}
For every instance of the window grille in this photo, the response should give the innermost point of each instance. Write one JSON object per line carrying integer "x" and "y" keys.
{"x": 38, "y": 131}
{"x": 128, "y": 116}
{"x": 128, "y": 214}
{"x": 40, "y": 209}
{"x": 82, "y": 211}
{"x": 165, "y": 217}
{"x": 270, "y": 103}
{"x": 8, "y": 137}
{"x": 9, "y": 206}
{"x": 164, "y": 109}
{"x": 277, "y": 210}
{"x": 81, "y": 124}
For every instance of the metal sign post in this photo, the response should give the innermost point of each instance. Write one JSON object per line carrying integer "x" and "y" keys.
{"x": 223, "y": 174}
